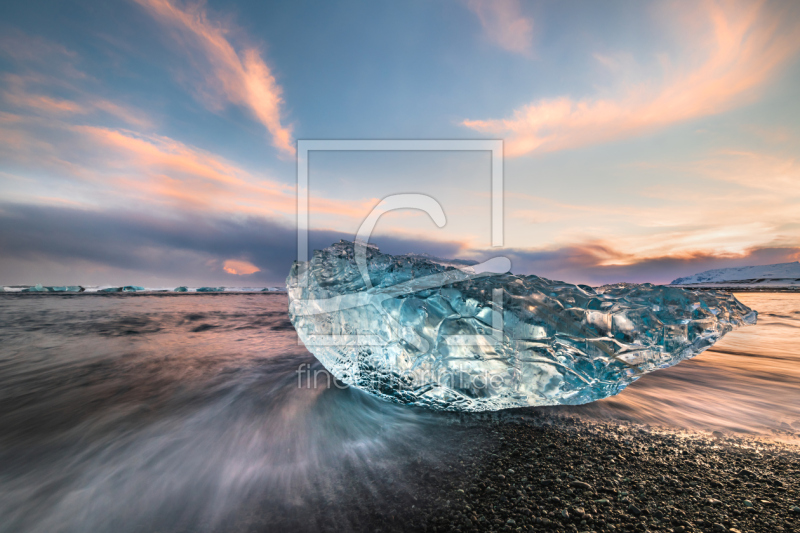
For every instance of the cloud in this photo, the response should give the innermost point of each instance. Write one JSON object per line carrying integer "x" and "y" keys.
{"x": 48, "y": 83}
{"x": 239, "y": 76}
{"x": 134, "y": 117}
{"x": 504, "y": 25}
{"x": 742, "y": 47}
{"x": 23, "y": 92}
{"x": 67, "y": 245}
{"x": 767, "y": 172}
{"x": 717, "y": 219}
{"x": 741, "y": 199}
{"x": 53, "y": 244}
{"x": 107, "y": 166}
{"x": 159, "y": 169}
{"x": 598, "y": 263}
{"x": 239, "y": 268}
{"x": 740, "y": 203}
{"x": 28, "y": 49}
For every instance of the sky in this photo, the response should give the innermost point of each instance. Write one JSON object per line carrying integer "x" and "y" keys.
{"x": 153, "y": 142}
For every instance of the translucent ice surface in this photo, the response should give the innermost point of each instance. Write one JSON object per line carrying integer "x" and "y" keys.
{"x": 418, "y": 330}
{"x": 211, "y": 289}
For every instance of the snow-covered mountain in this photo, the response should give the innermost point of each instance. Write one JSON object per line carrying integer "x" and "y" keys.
{"x": 779, "y": 275}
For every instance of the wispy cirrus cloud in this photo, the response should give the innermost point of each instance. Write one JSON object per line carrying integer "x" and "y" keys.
{"x": 31, "y": 50}
{"x": 99, "y": 165}
{"x": 164, "y": 170}
{"x": 48, "y": 82}
{"x": 770, "y": 173}
{"x": 28, "y": 93}
{"x": 743, "y": 46}
{"x": 721, "y": 203}
{"x": 504, "y": 24}
{"x": 236, "y": 75}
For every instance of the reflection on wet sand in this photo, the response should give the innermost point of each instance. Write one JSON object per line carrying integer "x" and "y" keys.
{"x": 749, "y": 382}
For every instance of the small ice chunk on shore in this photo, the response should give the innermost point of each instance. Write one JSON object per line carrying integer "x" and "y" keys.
{"x": 67, "y": 288}
{"x": 211, "y": 289}
{"x": 36, "y": 288}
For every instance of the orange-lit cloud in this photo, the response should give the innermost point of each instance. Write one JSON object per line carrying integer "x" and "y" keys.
{"x": 599, "y": 262}
{"x": 43, "y": 103}
{"x": 504, "y": 24}
{"x": 722, "y": 204}
{"x": 20, "y": 92}
{"x": 713, "y": 225}
{"x": 17, "y": 93}
{"x": 239, "y": 76}
{"x": 131, "y": 116}
{"x": 755, "y": 170}
{"x": 742, "y": 48}
{"x": 107, "y": 165}
{"x": 162, "y": 170}
{"x": 239, "y": 268}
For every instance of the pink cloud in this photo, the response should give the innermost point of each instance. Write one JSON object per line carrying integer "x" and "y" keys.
{"x": 107, "y": 166}
{"x": 239, "y": 268}
{"x": 21, "y": 93}
{"x": 131, "y": 116}
{"x": 504, "y": 25}
{"x": 238, "y": 76}
{"x": 600, "y": 262}
{"x": 44, "y": 103}
{"x": 161, "y": 169}
{"x": 743, "y": 47}
{"x": 741, "y": 200}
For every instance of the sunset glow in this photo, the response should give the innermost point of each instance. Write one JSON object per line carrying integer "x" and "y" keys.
{"x": 645, "y": 150}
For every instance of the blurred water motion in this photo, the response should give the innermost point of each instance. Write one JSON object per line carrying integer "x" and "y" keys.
{"x": 749, "y": 382}
{"x": 183, "y": 413}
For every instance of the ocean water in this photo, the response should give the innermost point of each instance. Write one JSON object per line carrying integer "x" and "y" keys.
{"x": 195, "y": 413}
{"x": 748, "y": 383}
{"x": 186, "y": 413}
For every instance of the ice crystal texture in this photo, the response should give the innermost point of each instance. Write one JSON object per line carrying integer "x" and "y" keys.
{"x": 447, "y": 336}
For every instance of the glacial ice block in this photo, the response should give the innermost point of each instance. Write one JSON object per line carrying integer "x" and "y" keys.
{"x": 132, "y": 288}
{"x": 36, "y": 288}
{"x": 422, "y": 331}
{"x": 110, "y": 289}
{"x": 211, "y": 289}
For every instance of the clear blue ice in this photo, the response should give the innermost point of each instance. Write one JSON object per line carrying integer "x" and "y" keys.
{"x": 433, "y": 333}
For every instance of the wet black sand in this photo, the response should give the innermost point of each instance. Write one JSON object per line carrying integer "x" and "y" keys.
{"x": 542, "y": 472}
{"x": 547, "y": 473}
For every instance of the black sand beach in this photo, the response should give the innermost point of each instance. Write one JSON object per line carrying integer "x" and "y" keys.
{"x": 539, "y": 471}
{"x": 550, "y": 473}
